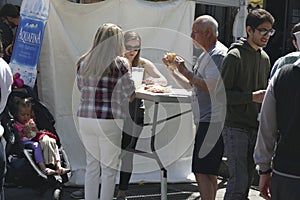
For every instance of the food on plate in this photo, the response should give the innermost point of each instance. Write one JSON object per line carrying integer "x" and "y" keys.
{"x": 156, "y": 89}
{"x": 147, "y": 87}
{"x": 149, "y": 81}
{"x": 171, "y": 57}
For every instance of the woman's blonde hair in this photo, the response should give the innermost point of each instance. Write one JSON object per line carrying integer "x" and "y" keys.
{"x": 107, "y": 45}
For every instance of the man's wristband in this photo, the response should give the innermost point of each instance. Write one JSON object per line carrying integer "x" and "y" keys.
{"x": 260, "y": 172}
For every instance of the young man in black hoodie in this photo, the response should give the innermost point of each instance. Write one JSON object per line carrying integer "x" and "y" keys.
{"x": 245, "y": 73}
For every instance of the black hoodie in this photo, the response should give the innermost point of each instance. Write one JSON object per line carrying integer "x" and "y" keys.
{"x": 244, "y": 71}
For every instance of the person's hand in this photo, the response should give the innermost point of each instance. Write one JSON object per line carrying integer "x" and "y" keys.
{"x": 258, "y": 96}
{"x": 169, "y": 63}
{"x": 26, "y": 131}
{"x": 264, "y": 186}
{"x": 174, "y": 64}
{"x": 29, "y": 134}
{"x": 179, "y": 62}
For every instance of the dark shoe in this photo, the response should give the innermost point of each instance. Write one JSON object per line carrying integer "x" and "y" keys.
{"x": 121, "y": 198}
{"x": 79, "y": 194}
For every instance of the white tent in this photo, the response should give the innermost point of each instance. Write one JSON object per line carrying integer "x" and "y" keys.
{"x": 164, "y": 26}
{"x": 239, "y": 25}
{"x": 233, "y": 3}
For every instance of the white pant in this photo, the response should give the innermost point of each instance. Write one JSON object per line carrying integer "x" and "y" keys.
{"x": 102, "y": 141}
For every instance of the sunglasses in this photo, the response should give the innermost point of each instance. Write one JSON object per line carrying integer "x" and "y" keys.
{"x": 132, "y": 48}
{"x": 264, "y": 32}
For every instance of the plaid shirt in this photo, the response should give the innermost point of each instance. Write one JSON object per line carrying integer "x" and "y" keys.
{"x": 106, "y": 97}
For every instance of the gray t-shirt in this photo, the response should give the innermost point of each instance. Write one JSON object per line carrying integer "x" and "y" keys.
{"x": 208, "y": 66}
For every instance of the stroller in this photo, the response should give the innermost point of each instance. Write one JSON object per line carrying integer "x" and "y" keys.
{"x": 22, "y": 170}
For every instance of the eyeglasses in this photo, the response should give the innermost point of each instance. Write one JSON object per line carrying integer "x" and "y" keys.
{"x": 264, "y": 32}
{"x": 132, "y": 48}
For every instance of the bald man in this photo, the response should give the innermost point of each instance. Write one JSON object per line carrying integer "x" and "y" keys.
{"x": 208, "y": 113}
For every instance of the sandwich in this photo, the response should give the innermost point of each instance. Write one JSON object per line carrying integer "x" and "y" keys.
{"x": 171, "y": 58}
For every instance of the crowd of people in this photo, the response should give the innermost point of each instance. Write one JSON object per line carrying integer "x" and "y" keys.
{"x": 246, "y": 111}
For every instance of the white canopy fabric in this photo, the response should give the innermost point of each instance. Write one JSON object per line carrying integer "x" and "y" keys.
{"x": 163, "y": 26}
{"x": 239, "y": 25}
{"x": 233, "y": 3}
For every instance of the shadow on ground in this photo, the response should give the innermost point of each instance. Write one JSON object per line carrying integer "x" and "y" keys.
{"x": 146, "y": 191}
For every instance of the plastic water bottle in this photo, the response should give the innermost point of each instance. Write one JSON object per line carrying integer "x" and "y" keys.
{"x": 29, "y": 37}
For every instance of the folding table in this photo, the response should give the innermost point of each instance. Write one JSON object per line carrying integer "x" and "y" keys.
{"x": 176, "y": 96}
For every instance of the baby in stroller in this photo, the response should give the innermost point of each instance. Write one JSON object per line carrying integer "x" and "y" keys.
{"x": 42, "y": 142}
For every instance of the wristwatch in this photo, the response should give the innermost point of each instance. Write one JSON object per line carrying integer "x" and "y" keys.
{"x": 260, "y": 172}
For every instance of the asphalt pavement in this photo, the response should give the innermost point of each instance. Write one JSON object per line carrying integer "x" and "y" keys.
{"x": 141, "y": 191}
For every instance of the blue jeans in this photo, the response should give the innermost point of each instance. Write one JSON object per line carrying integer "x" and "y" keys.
{"x": 239, "y": 146}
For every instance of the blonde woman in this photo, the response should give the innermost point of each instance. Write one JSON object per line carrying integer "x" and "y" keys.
{"x": 105, "y": 86}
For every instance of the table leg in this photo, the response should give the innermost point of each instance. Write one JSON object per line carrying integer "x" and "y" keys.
{"x": 164, "y": 184}
{"x": 164, "y": 188}
{"x": 155, "y": 113}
